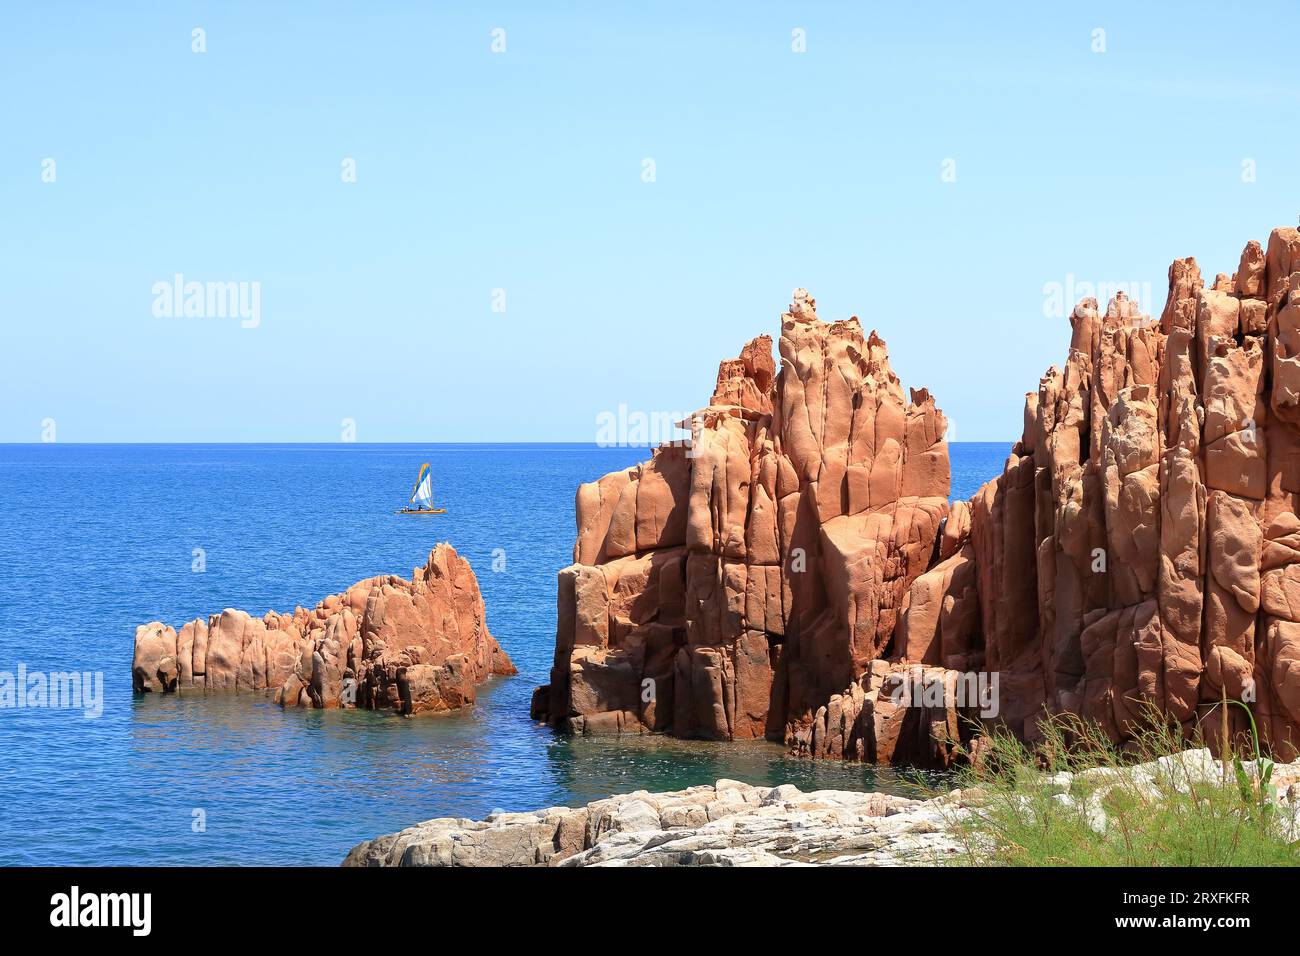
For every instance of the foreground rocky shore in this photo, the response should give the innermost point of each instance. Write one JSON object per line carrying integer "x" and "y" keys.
{"x": 727, "y": 824}
{"x": 736, "y": 824}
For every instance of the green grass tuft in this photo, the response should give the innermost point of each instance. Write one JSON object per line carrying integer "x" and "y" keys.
{"x": 1025, "y": 812}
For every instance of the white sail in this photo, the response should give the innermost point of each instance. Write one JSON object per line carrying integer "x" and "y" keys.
{"x": 423, "y": 497}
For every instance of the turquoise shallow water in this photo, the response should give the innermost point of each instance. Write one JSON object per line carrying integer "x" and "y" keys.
{"x": 98, "y": 539}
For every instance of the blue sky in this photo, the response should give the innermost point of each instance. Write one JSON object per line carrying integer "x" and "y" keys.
{"x": 523, "y": 171}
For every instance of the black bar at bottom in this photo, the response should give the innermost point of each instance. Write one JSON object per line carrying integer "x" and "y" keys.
{"x": 231, "y": 906}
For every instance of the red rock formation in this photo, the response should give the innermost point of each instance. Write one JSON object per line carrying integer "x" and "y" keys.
{"x": 735, "y": 588}
{"x": 413, "y": 646}
{"x": 1151, "y": 505}
{"x": 800, "y": 576}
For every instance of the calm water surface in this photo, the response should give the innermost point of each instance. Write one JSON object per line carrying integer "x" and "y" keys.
{"x": 98, "y": 539}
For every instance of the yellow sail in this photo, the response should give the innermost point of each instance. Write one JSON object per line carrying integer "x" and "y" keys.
{"x": 422, "y": 495}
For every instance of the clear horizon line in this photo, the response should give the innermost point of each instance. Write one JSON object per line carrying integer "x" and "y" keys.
{"x": 590, "y": 444}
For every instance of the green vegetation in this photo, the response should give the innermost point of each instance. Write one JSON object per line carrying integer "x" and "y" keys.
{"x": 1074, "y": 799}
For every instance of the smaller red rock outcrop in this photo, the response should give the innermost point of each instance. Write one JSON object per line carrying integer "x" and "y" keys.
{"x": 417, "y": 646}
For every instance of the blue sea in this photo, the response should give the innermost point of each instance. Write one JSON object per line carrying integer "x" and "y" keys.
{"x": 96, "y": 539}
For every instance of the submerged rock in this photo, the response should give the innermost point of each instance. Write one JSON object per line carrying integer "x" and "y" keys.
{"x": 416, "y": 646}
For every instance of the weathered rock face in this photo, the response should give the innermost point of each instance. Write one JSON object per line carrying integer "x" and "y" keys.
{"x": 417, "y": 646}
{"x": 1148, "y": 513}
{"x": 728, "y": 824}
{"x": 1140, "y": 549}
{"x": 735, "y": 589}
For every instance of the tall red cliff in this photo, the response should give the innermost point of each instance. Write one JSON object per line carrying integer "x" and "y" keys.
{"x": 729, "y": 590}
{"x": 797, "y": 573}
{"x": 1149, "y": 513}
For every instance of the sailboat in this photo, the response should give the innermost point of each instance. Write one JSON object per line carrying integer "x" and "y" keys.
{"x": 422, "y": 496}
